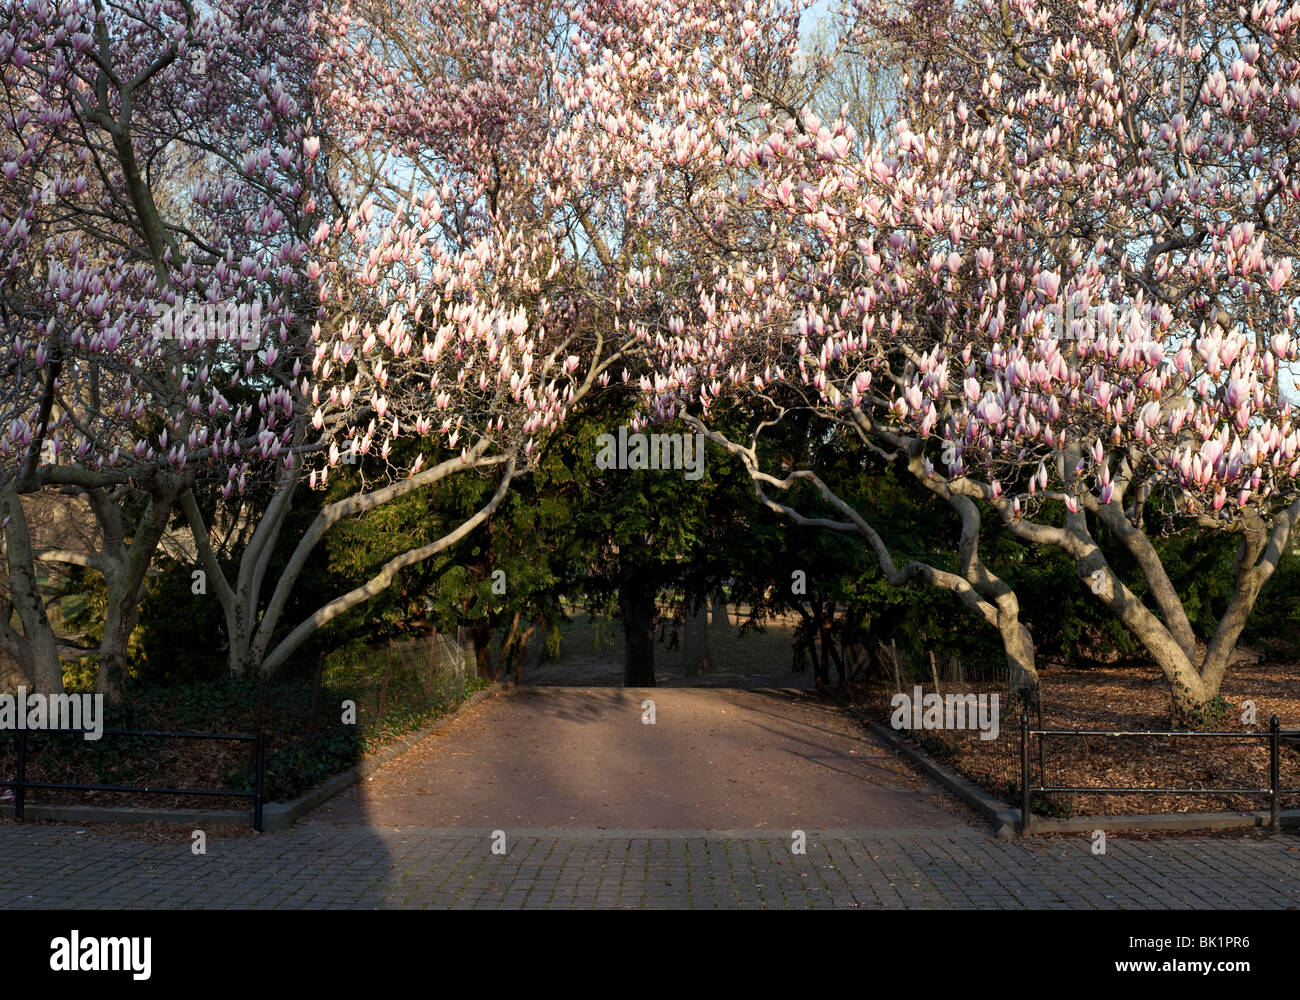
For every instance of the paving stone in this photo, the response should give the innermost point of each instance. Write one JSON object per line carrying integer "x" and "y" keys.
{"x": 353, "y": 866}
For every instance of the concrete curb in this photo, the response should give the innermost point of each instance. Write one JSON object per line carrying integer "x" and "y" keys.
{"x": 282, "y": 815}
{"x": 275, "y": 815}
{"x": 1006, "y": 820}
{"x": 1003, "y": 819}
{"x": 1169, "y": 822}
{"x": 131, "y": 814}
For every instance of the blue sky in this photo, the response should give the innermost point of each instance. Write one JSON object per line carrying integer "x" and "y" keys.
{"x": 818, "y": 11}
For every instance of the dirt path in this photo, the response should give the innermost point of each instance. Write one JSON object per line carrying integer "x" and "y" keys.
{"x": 591, "y": 655}
{"x": 574, "y": 758}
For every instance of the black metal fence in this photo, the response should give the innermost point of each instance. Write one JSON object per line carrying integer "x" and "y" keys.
{"x": 21, "y": 784}
{"x": 1273, "y": 737}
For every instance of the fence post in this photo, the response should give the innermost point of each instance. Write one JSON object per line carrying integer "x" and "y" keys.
{"x": 1024, "y": 771}
{"x": 1274, "y": 775}
{"x": 20, "y": 793}
{"x": 1042, "y": 745}
{"x": 257, "y": 780}
{"x": 383, "y": 688}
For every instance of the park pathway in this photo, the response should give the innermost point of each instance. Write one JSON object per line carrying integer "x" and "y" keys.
{"x": 585, "y": 759}
{"x": 558, "y": 798}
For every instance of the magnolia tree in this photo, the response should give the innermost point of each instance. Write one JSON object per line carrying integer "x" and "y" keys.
{"x": 152, "y": 175}
{"x": 444, "y": 328}
{"x": 244, "y": 247}
{"x": 529, "y": 181}
{"x": 1065, "y": 303}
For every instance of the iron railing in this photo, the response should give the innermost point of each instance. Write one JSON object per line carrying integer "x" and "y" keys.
{"x": 21, "y": 784}
{"x": 1274, "y": 736}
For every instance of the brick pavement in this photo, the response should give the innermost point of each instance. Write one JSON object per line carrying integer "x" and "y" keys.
{"x": 323, "y": 865}
{"x": 565, "y": 773}
{"x": 715, "y": 759}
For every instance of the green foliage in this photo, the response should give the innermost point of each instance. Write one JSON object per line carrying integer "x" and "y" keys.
{"x": 1214, "y": 714}
{"x": 937, "y": 746}
{"x": 840, "y": 568}
{"x": 301, "y": 749}
{"x": 571, "y": 530}
{"x": 1276, "y": 621}
{"x": 292, "y": 769}
{"x": 1069, "y": 625}
{"x": 181, "y": 638}
{"x": 1040, "y": 804}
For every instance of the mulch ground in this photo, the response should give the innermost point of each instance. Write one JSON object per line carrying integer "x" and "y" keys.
{"x": 1108, "y": 698}
{"x": 168, "y": 763}
{"x": 1130, "y": 699}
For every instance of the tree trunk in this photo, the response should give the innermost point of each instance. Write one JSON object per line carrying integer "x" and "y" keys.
{"x": 1018, "y": 645}
{"x": 273, "y": 661}
{"x": 537, "y": 647}
{"x": 721, "y": 625}
{"x": 697, "y": 657}
{"x": 1188, "y": 690}
{"x": 636, "y": 602}
{"x": 841, "y": 670}
{"x": 125, "y": 591}
{"x": 503, "y": 658}
{"x": 119, "y": 623}
{"x": 240, "y": 640}
{"x": 37, "y": 636}
{"x": 482, "y": 637}
{"x": 816, "y": 650}
{"x": 531, "y": 644}
{"x": 826, "y": 618}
